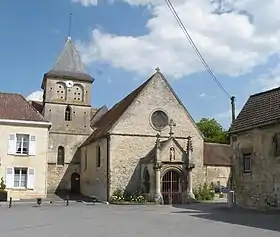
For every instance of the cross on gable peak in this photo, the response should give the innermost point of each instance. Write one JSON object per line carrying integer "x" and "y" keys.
{"x": 171, "y": 125}
{"x": 158, "y": 69}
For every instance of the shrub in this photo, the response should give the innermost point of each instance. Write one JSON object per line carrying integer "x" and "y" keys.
{"x": 120, "y": 196}
{"x": 204, "y": 192}
{"x": 117, "y": 195}
{"x": 2, "y": 185}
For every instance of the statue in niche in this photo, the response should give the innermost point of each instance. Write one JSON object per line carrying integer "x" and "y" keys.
{"x": 172, "y": 153}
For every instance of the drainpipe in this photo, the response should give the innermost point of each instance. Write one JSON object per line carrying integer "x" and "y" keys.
{"x": 108, "y": 166}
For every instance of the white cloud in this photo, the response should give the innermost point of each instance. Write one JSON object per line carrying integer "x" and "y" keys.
{"x": 244, "y": 36}
{"x": 35, "y": 96}
{"x": 86, "y": 3}
{"x": 202, "y": 95}
{"x": 271, "y": 79}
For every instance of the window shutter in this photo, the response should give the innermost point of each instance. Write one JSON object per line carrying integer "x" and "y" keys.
{"x": 9, "y": 177}
{"x": 12, "y": 144}
{"x": 32, "y": 145}
{"x": 31, "y": 178}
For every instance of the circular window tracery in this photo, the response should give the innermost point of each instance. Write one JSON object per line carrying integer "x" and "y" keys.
{"x": 159, "y": 119}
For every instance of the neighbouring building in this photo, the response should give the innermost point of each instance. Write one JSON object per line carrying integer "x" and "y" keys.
{"x": 24, "y": 136}
{"x": 217, "y": 163}
{"x": 255, "y": 136}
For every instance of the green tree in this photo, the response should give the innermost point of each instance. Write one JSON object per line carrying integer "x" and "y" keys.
{"x": 212, "y": 130}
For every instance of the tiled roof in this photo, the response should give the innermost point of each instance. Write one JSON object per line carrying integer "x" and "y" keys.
{"x": 104, "y": 124}
{"x": 97, "y": 115}
{"x": 37, "y": 105}
{"x": 259, "y": 110}
{"x": 215, "y": 154}
{"x": 16, "y": 107}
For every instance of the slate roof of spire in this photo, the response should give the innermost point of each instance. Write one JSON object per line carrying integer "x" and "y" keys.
{"x": 69, "y": 59}
{"x": 69, "y": 64}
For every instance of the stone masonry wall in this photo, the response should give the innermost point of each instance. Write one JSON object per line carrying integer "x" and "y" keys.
{"x": 261, "y": 188}
{"x": 127, "y": 150}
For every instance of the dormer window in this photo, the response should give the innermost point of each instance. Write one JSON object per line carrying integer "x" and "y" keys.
{"x": 68, "y": 113}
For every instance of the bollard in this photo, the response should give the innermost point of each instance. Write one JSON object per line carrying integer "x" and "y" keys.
{"x": 67, "y": 200}
{"x": 10, "y": 202}
{"x": 39, "y": 201}
{"x": 230, "y": 198}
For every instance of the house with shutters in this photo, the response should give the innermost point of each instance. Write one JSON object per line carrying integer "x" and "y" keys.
{"x": 255, "y": 136}
{"x": 24, "y": 136}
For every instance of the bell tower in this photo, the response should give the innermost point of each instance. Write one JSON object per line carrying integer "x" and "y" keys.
{"x": 67, "y": 105}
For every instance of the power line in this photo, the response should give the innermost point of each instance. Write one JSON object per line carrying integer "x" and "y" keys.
{"x": 208, "y": 69}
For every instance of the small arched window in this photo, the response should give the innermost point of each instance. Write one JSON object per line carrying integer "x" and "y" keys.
{"x": 98, "y": 156}
{"x": 67, "y": 114}
{"x": 60, "y": 155}
{"x": 146, "y": 181}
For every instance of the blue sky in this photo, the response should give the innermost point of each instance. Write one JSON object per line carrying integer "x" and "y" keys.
{"x": 122, "y": 42}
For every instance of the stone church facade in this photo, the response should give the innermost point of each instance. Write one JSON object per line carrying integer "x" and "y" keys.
{"x": 148, "y": 141}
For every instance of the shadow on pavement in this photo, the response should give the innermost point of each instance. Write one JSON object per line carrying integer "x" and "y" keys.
{"x": 72, "y": 197}
{"x": 235, "y": 215}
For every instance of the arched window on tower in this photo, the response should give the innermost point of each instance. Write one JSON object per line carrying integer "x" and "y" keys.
{"x": 68, "y": 115}
{"x": 60, "y": 155}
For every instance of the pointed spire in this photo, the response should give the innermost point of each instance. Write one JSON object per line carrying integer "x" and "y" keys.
{"x": 69, "y": 59}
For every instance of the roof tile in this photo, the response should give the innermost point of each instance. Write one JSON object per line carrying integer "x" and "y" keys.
{"x": 259, "y": 110}
{"x": 216, "y": 154}
{"x": 16, "y": 107}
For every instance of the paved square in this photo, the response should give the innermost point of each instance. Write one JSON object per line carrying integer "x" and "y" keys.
{"x": 196, "y": 220}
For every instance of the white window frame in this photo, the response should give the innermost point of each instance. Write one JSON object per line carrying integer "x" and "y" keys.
{"x": 21, "y": 137}
{"x": 20, "y": 178}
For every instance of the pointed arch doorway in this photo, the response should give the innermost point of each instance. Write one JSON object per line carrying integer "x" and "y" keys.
{"x": 171, "y": 187}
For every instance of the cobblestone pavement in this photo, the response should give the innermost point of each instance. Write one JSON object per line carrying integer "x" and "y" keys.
{"x": 101, "y": 220}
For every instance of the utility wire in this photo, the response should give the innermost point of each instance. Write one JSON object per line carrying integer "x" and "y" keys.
{"x": 180, "y": 23}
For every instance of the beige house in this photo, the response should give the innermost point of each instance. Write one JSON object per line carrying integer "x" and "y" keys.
{"x": 23, "y": 148}
{"x": 255, "y": 138}
{"x": 149, "y": 142}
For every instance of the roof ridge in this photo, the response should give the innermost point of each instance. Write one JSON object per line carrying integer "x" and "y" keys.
{"x": 105, "y": 123}
{"x": 216, "y": 144}
{"x": 264, "y": 92}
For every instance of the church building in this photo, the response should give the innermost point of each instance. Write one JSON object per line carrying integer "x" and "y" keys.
{"x": 148, "y": 141}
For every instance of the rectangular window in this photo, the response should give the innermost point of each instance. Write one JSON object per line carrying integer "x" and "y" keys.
{"x": 247, "y": 163}
{"x": 276, "y": 140}
{"x": 85, "y": 160}
{"x": 22, "y": 144}
{"x": 20, "y": 177}
{"x": 98, "y": 156}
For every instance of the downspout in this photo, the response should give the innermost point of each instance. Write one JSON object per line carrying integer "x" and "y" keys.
{"x": 108, "y": 167}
